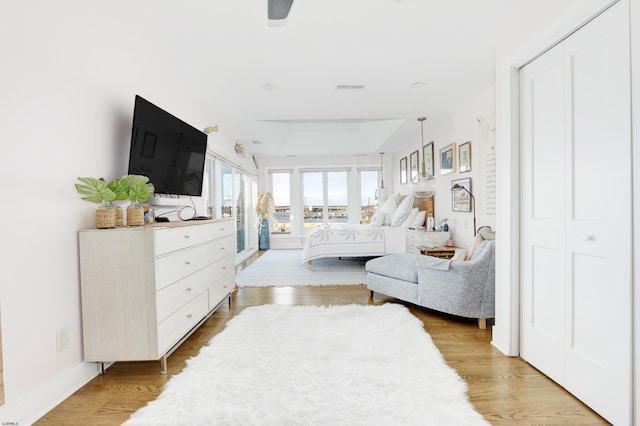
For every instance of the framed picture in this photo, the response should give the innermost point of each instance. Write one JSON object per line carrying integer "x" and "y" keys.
{"x": 464, "y": 157}
{"x": 427, "y": 157}
{"x": 413, "y": 163}
{"x": 448, "y": 159}
{"x": 403, "y": 170}
{"x": 460, "y": 199}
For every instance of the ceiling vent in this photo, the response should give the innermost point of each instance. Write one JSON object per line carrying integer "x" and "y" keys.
{"x": 350, "y": 86}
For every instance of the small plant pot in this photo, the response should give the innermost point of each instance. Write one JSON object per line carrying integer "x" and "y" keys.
{"x": 135, "y": 215}
{"x": 105, "y": 217}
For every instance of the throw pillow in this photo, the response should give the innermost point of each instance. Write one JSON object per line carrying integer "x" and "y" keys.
{"x": 408, "y": 221}
{"x": 379, "y": 220}
{"x": 388, "y": 209}
{"x": 420, "y": 218}
{"x": 487, "y": 233}
{"x": 403, "y": 210}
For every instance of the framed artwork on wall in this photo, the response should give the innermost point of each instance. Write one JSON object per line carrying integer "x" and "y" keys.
{"x": 427, "y": 157}
{"x": 460, "y": 199}
{"x": 413, "y": 163}
{"x": 403, "y": 170}
{"x": 448, "y": 159}
{"x": 464, "y": 157}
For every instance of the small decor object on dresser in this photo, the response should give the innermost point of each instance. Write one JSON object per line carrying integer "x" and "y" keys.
{"x": 96, "y": 191}
{"x": 134, "y": 187}
{"x": 139, "y": 192}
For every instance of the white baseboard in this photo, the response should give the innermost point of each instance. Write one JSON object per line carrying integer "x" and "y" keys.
{"x": 28, "y": 410}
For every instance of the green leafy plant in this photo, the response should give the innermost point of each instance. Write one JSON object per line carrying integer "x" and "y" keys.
{"x": 140, "y": 189}
{"x": 95, "y": 190}
{"x": 121, "y": 187}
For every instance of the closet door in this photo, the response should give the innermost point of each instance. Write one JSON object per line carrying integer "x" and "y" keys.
{"x": 577, "y": 256}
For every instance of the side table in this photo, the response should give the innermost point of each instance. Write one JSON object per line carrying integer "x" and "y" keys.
{"x": 441, "y": 252}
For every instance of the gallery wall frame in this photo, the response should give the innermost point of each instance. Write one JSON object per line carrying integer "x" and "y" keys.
{"x": 448, "y": 159}
{"x": 460, "y": 199}
{"x": 427, "y": 158}
{"x": 413, "y": 165}
{"x": 464, "y": 157}
{"x": 404, "y": 171}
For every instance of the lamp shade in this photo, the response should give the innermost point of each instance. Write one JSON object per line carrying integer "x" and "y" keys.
{"x": 382, "y": 194}
{"x": 424, "y": 185}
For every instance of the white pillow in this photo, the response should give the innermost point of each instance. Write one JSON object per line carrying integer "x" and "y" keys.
{"x": 408, "y": 221}
{"x": 420, "y": 218}
{"x": 379, "y": 220}
{"x": 388, "y": 209}
{"x": 403, "y": 210}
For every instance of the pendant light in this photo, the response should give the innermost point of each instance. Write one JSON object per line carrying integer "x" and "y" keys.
{"x": 424, "y": 184}
{"x": 382, "y": 193}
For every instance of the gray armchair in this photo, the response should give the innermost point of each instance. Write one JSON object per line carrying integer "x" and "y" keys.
{"x": 457, "y": 287}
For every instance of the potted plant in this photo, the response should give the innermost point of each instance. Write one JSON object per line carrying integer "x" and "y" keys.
{"x": 97, "y": 191}
{"x": 140, "y": 190}
{"x": 120, "y": 187}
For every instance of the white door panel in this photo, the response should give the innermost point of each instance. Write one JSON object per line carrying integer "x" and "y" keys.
{"x": 576, "y": 214}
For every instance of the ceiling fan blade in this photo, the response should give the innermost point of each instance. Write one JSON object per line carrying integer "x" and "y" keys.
{"x": 279, "y": 9}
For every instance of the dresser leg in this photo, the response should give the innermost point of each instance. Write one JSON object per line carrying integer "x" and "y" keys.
{"x": 163, "y": 362}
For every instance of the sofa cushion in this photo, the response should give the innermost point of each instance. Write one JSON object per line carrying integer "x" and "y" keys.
{"x": 401, "y": 266}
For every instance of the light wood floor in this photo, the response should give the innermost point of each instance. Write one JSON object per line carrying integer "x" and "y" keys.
{"x": 507, "y": 391}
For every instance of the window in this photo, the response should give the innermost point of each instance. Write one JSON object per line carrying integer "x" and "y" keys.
{"x": 325, "y": 196}
{"x": 313, "y": 196}
{"x": 226, "y": 193}
{"x": 368, "y": 185}
{"x": 281, "y": 191}
{"x": 337, "y": 196}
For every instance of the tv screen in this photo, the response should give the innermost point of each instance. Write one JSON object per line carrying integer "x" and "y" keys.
{"x": 167, "y": 150}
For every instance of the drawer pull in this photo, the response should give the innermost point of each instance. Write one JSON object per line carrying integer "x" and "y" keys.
{"x": 186, "y": 262}
{"x": 189, "y": 316}
{"x": 188, "y": 288}
{"x": 589, "y": 238}
{"x": 186, "y": 236}
{"x": 224, "y": 267}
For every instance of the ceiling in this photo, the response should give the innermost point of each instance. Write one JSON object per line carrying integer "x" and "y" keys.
{"x": 275, "y": 88}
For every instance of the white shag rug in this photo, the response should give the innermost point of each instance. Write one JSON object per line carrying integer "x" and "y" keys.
{"x": 281, "y": 268}
{"x": 313, "y": 365}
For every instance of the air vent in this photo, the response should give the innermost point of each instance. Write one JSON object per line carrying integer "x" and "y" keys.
{"x": 350, "y": 86}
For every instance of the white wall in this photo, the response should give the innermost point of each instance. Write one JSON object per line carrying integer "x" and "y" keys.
{"x": 68, "y": 83}
{"x": 460, "y": 127}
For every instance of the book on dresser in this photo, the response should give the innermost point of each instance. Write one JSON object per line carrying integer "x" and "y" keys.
{"x": 146, "y": 289}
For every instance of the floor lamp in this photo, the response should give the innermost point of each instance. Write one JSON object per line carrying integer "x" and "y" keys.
{"x": 458, "y": 187}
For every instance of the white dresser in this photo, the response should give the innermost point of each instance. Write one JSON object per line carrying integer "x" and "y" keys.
{"x": 417, "y": 238}
{"x": 145, "y": 289}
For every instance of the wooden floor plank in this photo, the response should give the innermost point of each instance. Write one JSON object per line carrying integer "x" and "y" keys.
{"x": 505, "y": 390}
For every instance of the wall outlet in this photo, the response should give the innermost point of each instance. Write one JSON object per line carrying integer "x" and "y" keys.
{"x": 62, "y": 339}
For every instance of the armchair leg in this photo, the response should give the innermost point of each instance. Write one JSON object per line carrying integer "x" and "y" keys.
{"x": 482, "y": 323}
{"x": 370, "y": 294}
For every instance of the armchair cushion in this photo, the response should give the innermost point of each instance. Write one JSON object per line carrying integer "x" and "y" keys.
{"x": 401, "y": 266}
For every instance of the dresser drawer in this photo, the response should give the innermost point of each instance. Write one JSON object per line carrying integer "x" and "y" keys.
{"x": 179, "y": 323}
{"x": 167, "y": 240}
{"x": 175, "y": 266}
{"x": 174, "y": 296}
{"x": 221, "y": 289}
{"x": 415, "y": 236}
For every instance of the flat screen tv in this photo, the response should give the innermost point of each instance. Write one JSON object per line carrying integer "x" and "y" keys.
{"x": 167, "y": 150}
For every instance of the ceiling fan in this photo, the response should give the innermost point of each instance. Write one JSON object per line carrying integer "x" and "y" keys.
{"x": 278, "y": 9}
